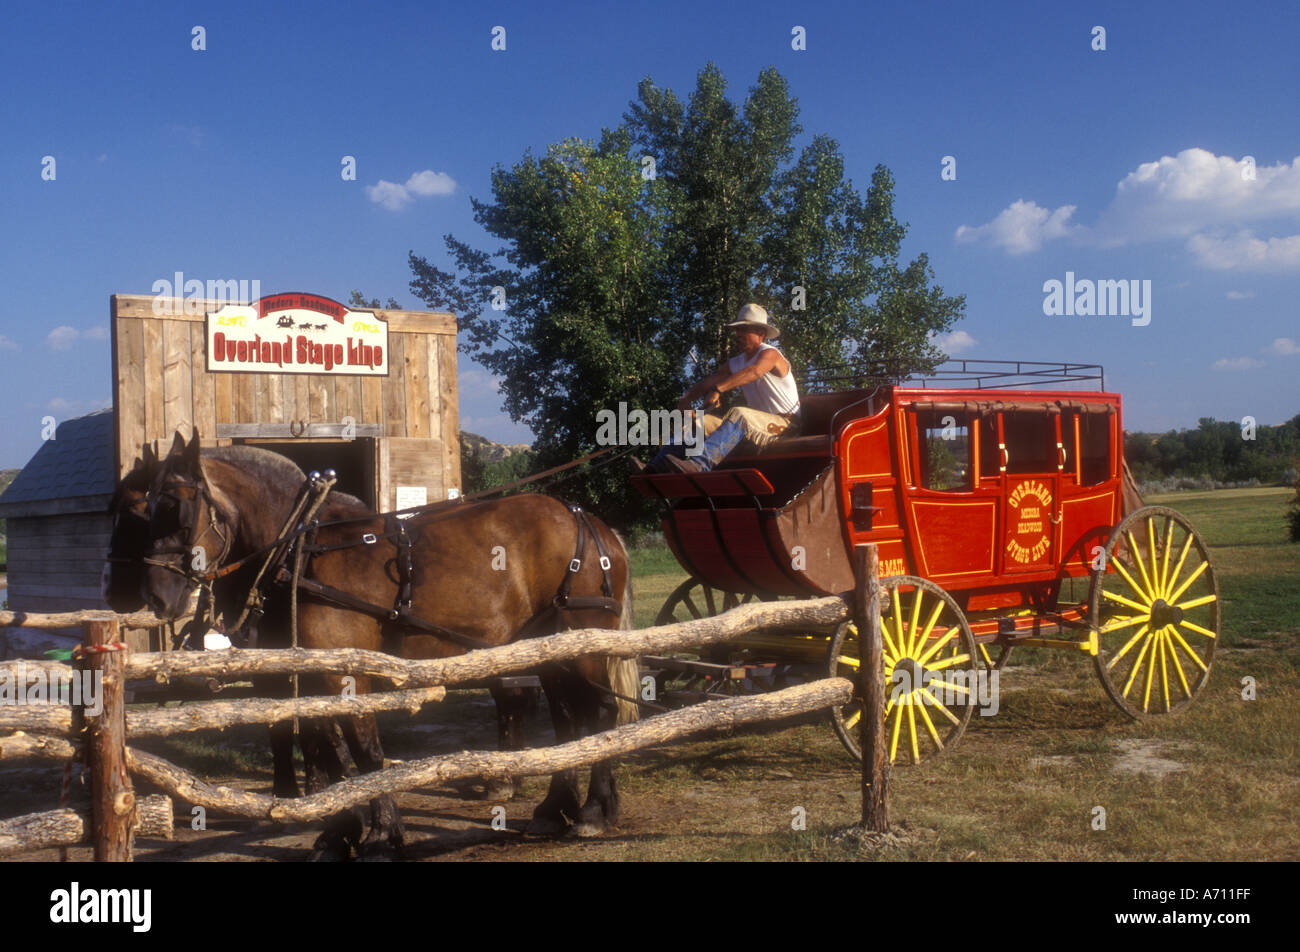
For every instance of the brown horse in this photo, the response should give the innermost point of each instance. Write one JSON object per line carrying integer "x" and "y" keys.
{"x": 124, "y": 575}
{"x": 123, "y": 579}
{"x": 490, "y": 571}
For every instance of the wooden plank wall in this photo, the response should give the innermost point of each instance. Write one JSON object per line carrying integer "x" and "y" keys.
{"x": 55, "y": 562}
{"x": 162, "y": 386}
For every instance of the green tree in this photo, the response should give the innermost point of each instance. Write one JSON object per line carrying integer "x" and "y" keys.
{"x": 623, "y": 259}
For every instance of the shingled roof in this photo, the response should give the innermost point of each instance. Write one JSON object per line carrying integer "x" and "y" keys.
{"x": 71, "y": 473}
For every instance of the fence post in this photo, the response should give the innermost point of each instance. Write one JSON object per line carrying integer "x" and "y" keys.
{"x": 871, "y": 687}
{"x": 112, "y": 801}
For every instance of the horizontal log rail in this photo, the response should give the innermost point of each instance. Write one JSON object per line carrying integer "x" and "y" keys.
{"x": 518, "y": 656}
{"x": 160, "y": 722}
{"x": 74, "y": 619}
{"x": 727, "y": 713}
{"x": 67, "y": 827}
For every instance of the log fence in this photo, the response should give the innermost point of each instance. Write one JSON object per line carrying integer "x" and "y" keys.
{"x": 99, "y": 738}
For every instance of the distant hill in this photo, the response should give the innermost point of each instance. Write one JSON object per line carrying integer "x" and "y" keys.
{"x": 487, "y": 450}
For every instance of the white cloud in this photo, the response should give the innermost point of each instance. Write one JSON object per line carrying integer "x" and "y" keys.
{"x": 1209, "y": 200}
{"x": 429, "y": 182}
{"x": 1285, "y": 346}
{"x": 1244, "y": 252}
{"x": 63, "y": 336}
{"x": 1240, "y": 295}
{"x": 395, "y": 197}
{"x": 954, "y": 343}
{"x": 1237, "y": 363}
{"x": 7, "y": 343}
{"x": 1022, "y": 227}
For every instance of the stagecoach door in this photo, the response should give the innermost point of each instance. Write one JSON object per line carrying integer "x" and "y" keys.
{"x": 1030, "y": 462}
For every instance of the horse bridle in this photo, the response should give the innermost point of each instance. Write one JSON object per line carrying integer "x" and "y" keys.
{"x": 185, "y": 566}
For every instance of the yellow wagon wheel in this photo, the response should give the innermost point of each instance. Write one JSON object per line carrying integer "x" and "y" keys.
{"x": 931, "y": 672}
{"x": 1155, "y": 608}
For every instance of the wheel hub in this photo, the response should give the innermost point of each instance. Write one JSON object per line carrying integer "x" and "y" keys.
{"x": 906, "y": 677}
{"x": 1162, "y": 614}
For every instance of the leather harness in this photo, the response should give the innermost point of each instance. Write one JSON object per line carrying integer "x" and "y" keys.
{"x": 399, "y": 618}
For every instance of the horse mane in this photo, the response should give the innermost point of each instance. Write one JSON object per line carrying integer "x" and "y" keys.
{"x": 271, "y": 466}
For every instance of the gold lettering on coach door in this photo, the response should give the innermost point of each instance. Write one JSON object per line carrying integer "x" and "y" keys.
{"x": 1030, "y": 536}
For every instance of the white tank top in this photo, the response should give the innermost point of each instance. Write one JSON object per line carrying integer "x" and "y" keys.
{"x": 769, "y": 393}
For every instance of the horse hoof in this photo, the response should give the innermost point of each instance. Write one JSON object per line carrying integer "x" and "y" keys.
{"x": 586, "y": 831}
{"x": 545, "y": 826}
{"x": 329, "y": 853}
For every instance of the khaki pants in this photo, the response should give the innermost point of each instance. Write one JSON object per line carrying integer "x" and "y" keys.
{"x": 761, "y": 429}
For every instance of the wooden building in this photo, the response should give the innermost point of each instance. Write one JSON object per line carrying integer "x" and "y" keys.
{"x": 370, "y": 394}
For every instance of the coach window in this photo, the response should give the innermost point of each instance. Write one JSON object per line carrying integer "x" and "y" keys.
{"x": 944, "y": 443}
{"x": 1094, "y": 448}
{"x": 1030, "y": 438}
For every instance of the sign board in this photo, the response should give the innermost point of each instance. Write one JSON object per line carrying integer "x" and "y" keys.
{"x": 296, "y": 334}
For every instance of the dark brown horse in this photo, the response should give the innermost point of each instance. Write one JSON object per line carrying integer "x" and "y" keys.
{"x": 124, "y": 576}
{"x": 490, "y": 571}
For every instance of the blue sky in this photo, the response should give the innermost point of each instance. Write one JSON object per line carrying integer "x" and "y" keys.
{"x": 1126, "y": 163}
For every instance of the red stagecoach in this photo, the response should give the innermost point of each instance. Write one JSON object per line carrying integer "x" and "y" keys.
{"x": 1003, "y": 515}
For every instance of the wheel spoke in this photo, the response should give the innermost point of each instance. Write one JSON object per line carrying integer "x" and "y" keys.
{"x": 1127, "y": 621}
{"x": 850, "y": 662}
{"x": 1178, "y": 665}
{"x": 1164, "y": 671}
{"x": 1137, "y": 665}
{"x": 913, "y": 631}
{"x": 935, "y": 648}
{"x": 929, "y": 625}
{"x": 911, "y": 731}
{"x": 893, "y": 740}
{"x": 1124, "y": 601}
{"x": 1186, "y": 647}
{"x": 957, "y": 688}
{"x": 949, "y": 662}
{"x": 1123, "y": 651}
{"x": 1151, "y": 672}
{"x": 1182, "y": 557}
{"x": 1190, "y": 579}
{"x": 1164, "y": 567}
{"x": 898, "y": 621}
{"x": 1136, "y": 554}
{"x": 708, "y": 598}
{"x": 1151, "y": 553}
{"x": 1198, "y": 602}
{"x": 943, "y": 709}
{"x": 1141, "y": 593}
{"x": 852, "y": 720}
{"x": 1197, "y": 628}
{"x": 929, "y": 726}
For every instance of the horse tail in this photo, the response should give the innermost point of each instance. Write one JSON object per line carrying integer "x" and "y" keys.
{"x": 625, "y": 673}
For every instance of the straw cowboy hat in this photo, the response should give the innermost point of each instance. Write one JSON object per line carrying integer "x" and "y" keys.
{"x": 754, "y": 315}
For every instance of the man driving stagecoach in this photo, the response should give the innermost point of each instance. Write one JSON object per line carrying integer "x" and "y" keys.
{"x": 761, "y": 372}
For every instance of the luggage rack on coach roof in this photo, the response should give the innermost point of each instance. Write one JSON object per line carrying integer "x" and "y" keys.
{"x": 973, "y": 374}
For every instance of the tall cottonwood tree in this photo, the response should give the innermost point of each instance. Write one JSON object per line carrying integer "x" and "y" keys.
{"x": 622, "y": 260}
